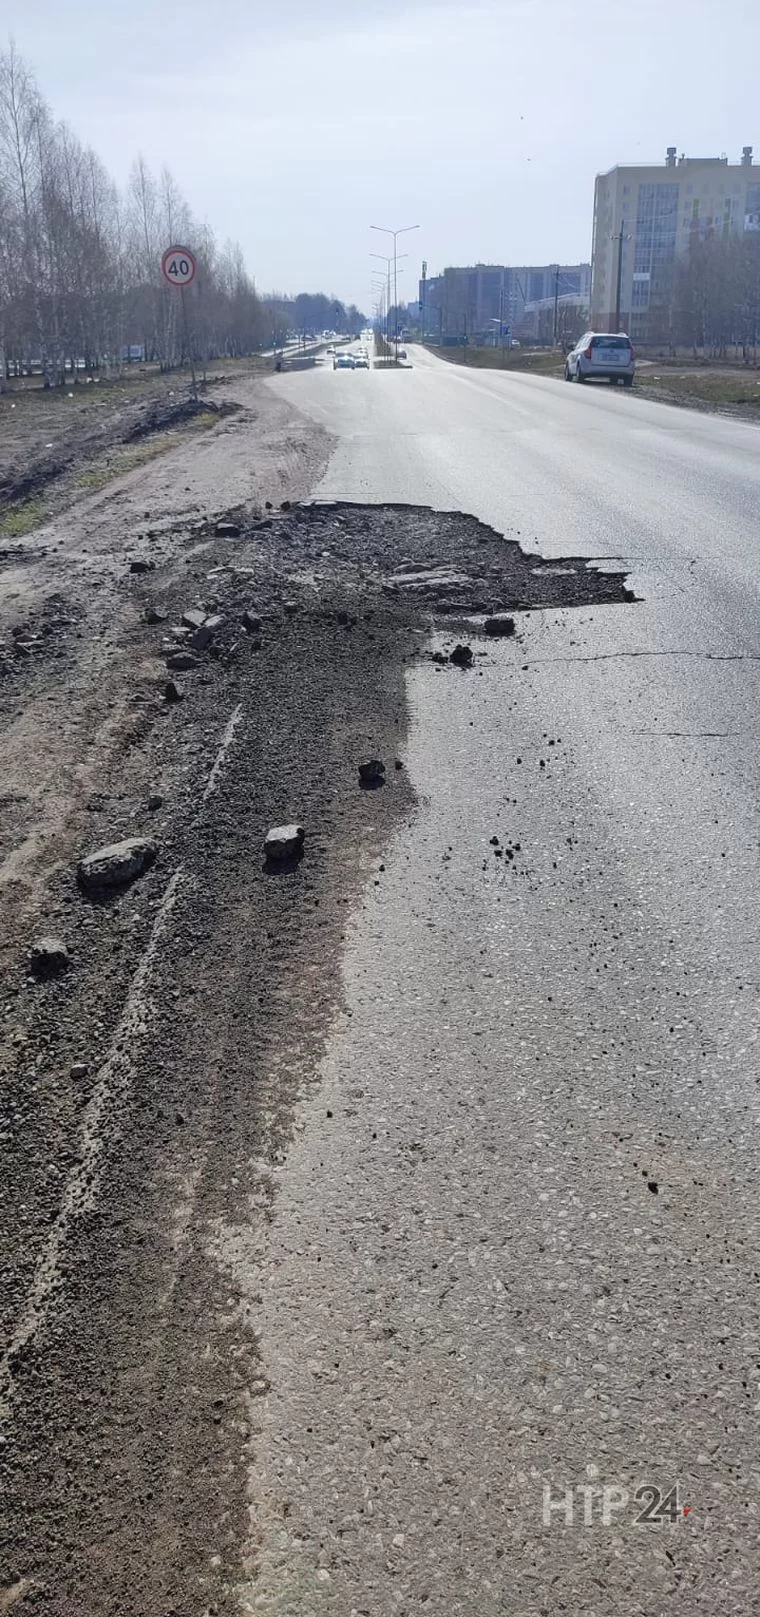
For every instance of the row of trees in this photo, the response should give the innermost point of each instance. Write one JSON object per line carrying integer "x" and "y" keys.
{"x": 710, "y": 299}
{"x": 311, "y": 313}
{"x": 80, "y": 262}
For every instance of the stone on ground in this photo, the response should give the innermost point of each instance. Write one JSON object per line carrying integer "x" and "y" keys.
{"x": 115, "y": 865}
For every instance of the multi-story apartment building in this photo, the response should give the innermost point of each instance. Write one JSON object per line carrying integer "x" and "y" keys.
{"x": 646, "y": 217}
{"x": 475, "y": 300}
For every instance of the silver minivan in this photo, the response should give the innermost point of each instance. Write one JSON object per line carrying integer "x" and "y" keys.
{"x": 602, "y": 353}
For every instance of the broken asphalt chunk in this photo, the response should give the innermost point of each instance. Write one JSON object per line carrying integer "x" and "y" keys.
{"x": 115, "y": 865}
{"x": 181, "y": 661}
{"x": 461, "y": 656}
{"x": 284, "y": 842}
{"x": 49, "y": 957}
{"x": 499, "y": 625}
{"x": 372, "y": 773}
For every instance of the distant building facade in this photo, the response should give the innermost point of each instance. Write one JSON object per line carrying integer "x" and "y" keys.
{"x": 476, "y": 301}
{"x": 646, "y": 217}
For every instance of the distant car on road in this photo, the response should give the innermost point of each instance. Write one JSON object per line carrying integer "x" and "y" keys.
{"x": 343, "y": 361}
{"x": 361, "y": 360}
{"x": 602, "y": 353}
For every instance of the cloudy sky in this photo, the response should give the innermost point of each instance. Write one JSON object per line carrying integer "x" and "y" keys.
{"x": 293, "y": 126}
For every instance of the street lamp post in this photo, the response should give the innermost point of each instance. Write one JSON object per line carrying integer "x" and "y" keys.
{"x": 379, "y": 287}
{"x": 387, "y": 261}
{"x": 403, "y": 231}
{"x": 619, "y": 236}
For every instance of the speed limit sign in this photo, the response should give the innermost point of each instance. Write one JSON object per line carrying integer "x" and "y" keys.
{"x": 178, "y": 266}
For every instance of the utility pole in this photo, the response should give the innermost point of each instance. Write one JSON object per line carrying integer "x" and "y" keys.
{"x": 556, "y": 303}
{"x": 422, "y": 299}
{"x": 619, "y": 236}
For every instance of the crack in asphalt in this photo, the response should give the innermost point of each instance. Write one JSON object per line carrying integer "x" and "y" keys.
{"x": 686, "y": 734}
{"x": 616, "y": 656}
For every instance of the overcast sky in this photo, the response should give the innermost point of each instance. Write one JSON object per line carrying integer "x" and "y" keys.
{"x": 292, "y": 125}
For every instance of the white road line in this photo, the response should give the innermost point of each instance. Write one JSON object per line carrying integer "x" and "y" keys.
{"x": 112, "y": 1082}
{"x": 224, "y": 747}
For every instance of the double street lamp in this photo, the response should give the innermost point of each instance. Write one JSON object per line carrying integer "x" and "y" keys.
{"x": 387, "y": 262}
{"x": 385, "y": 231}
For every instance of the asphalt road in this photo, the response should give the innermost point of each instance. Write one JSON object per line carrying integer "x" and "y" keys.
{"x": 516, "y": 1239}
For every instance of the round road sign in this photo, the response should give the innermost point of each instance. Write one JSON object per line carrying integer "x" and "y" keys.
{"x": 178, "y": 266}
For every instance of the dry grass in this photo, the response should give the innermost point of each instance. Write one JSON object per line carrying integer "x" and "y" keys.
{"x": 25, "y": 516}
{"x": 710, "y": 390}
{"x": 536, "y": 361}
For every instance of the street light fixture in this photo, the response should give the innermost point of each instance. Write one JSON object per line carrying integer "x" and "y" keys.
{"x": 387, "y": 261}
{"x": 386, "y": 231}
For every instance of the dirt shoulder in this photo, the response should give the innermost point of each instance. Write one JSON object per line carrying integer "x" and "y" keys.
{"x": 59, "y": 444}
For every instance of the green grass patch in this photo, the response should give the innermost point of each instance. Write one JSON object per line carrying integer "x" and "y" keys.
{"x": 22, "y": 519}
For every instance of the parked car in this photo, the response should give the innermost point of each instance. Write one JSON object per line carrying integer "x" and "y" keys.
{"x": 343, "y": 361}
{"x": 602, "y": 353}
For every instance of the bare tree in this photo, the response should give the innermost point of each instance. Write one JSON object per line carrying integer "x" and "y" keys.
{"x": 80, "y": 278}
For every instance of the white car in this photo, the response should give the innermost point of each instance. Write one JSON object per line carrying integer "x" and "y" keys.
{"x": 361, "y": 360}
{"x": 605, "y": 354}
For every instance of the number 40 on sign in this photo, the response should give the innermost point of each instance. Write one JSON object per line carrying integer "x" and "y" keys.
{"x": 178, "y": 266}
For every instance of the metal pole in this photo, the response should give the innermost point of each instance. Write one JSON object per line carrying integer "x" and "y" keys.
{"x": 618, "y": 287}
{"x": 188, "y": 342}
{"x": 402, "y": 231}
{"x": 556, "y": 302}
{"x": 395, "y": 295}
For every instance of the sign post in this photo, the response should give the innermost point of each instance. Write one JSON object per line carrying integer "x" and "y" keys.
{"x": 179, "y": 268}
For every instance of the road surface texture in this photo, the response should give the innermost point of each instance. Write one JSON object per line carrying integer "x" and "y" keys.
{"x": 378, "y": 1227}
